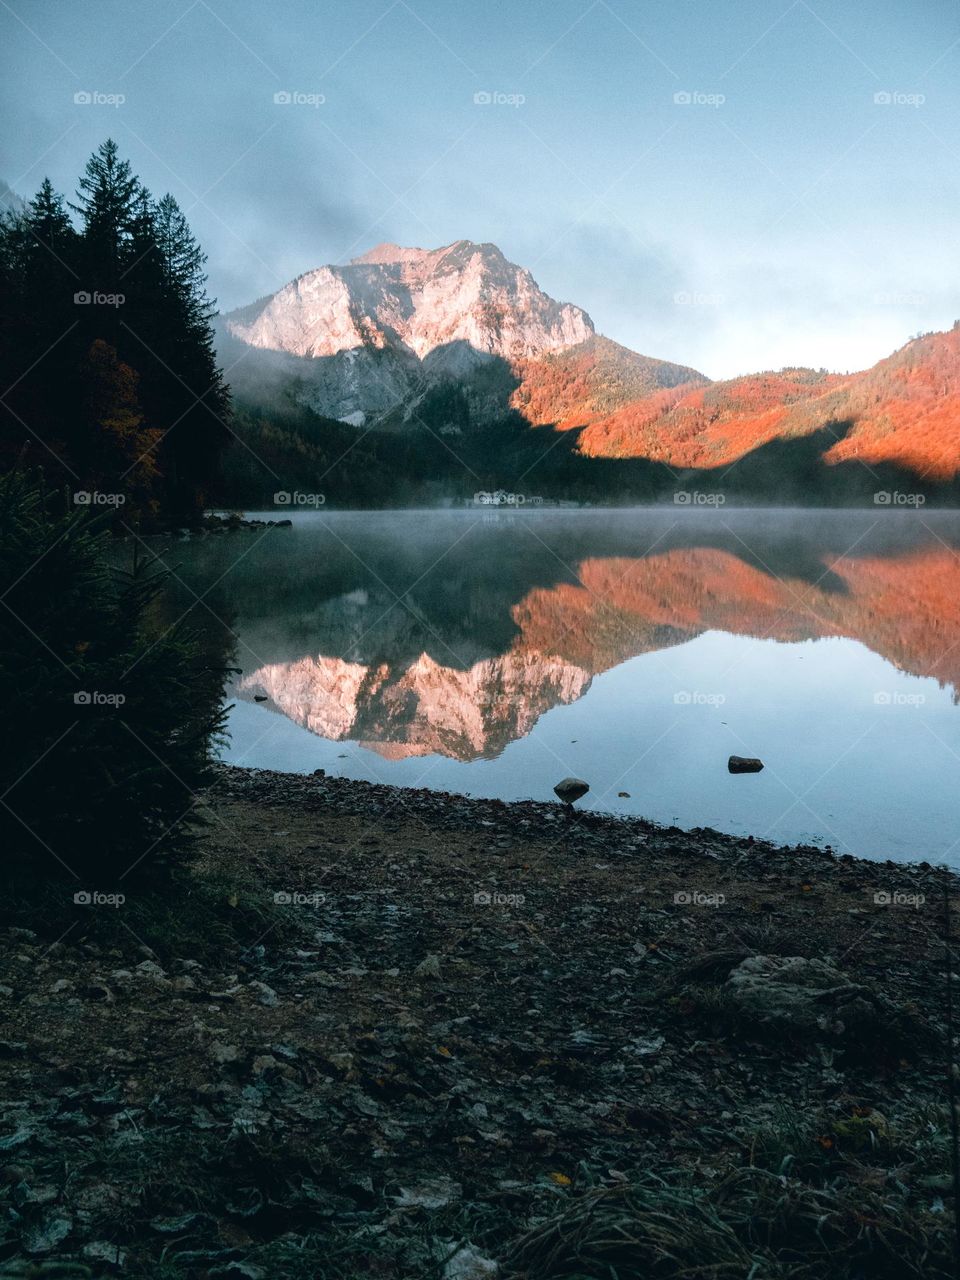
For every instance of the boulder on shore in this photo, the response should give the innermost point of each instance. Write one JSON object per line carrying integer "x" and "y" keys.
{"x": 813, "y": 1002}
{"x": 571, "y": 789}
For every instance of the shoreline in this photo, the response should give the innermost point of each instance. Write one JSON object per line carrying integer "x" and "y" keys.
{"x": 463, "y": 813}
{"x": 678, "y": 509}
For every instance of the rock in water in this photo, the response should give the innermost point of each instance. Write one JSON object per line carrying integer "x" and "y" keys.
{"x": 571, "y": 789}
{"x": 744, "y": 764}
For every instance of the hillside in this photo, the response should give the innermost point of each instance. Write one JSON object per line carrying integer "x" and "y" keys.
{"x": 905, "y": 411}
{"x": 590, "y": 381}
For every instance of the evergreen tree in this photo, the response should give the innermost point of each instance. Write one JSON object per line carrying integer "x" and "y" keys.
{"x": 108, "y": 196}
{"x": 117, "y": 442}
{"x": 38, "y": 260}
{"x": 196, "y": 399}
{"x": 112, "y": 709}
{"x": 130, "y": 379}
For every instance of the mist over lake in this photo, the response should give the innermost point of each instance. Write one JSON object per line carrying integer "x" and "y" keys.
{"x": 492, "y": 653}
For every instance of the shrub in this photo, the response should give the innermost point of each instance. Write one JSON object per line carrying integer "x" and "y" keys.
{"x": 109, "y": 714}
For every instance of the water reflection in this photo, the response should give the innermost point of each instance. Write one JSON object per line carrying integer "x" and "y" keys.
{"x": 456, "y": 636}
{"x": 372, "y": 630}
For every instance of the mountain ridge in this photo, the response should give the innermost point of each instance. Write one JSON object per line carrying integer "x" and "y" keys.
{"x": 366, "y": 339}
{"x": 457, "y": 339}
{"x": 419, "y": 300}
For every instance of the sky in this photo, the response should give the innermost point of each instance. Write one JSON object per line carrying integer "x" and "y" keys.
{"x": 735, "y": 186}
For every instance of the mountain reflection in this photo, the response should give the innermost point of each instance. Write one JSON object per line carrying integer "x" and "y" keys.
{"x": 461, "y": 655}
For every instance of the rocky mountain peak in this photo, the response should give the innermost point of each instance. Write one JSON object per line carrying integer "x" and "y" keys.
{"x": 414, "y": 301}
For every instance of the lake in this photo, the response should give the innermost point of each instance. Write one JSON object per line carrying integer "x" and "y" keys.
{"x": 494, "y": 652}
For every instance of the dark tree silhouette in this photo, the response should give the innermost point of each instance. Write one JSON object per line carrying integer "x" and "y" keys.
{"x": 107, "y": 352}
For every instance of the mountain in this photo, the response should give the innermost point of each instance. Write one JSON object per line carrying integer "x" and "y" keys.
{"x": 10, "y": 202}
{"x": 373, "y": 338}
{"x": 715, "y": 424}
{"x": 419, "y": 302}
{"x": 588, "y": 382}
{"x": 466, "y": 371}
{"x": 904, "y": 411}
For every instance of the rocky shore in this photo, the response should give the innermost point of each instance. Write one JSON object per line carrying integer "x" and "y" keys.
{"x": 397, "y": 1033}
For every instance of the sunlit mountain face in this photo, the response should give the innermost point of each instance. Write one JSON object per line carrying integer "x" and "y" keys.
{"x": 459, "y": 341}
{"x": 904, "y": 411}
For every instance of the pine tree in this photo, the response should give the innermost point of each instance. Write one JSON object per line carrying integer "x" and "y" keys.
{"x": 197, "y": 400}
{"x": 52, "y": 235}
{"x": 38, "y": 321}
{"x": 104, "y": 791}
{"x": 146, "y": 353}
{"x": 108, "y": 199}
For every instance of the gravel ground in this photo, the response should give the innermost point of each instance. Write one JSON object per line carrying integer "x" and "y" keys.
{"x": 419, "y": 1027}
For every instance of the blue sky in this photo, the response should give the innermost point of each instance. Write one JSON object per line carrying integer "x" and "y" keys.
{"x": 801, "y": 206}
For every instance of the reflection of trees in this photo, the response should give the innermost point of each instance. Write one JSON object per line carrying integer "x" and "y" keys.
{"x": 904, "y": 607}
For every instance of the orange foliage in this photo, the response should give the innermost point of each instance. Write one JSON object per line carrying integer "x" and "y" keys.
{"x": 709, "y": 426}
{"x": 122, "y": 445}
{"x": 906, "y": 609}
{"x": 574, "y": 387}
{"x": 905, "y": 410}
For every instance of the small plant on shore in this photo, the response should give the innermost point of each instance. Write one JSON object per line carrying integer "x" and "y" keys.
{"x": 109, "y": 713}
{"x": 751, "y": 1223}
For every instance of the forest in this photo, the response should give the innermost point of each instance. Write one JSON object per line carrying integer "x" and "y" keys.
{"x": 106, "y": 347}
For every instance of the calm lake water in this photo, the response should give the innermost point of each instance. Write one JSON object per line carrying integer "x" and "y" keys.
{"x": 494, "y": 652}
